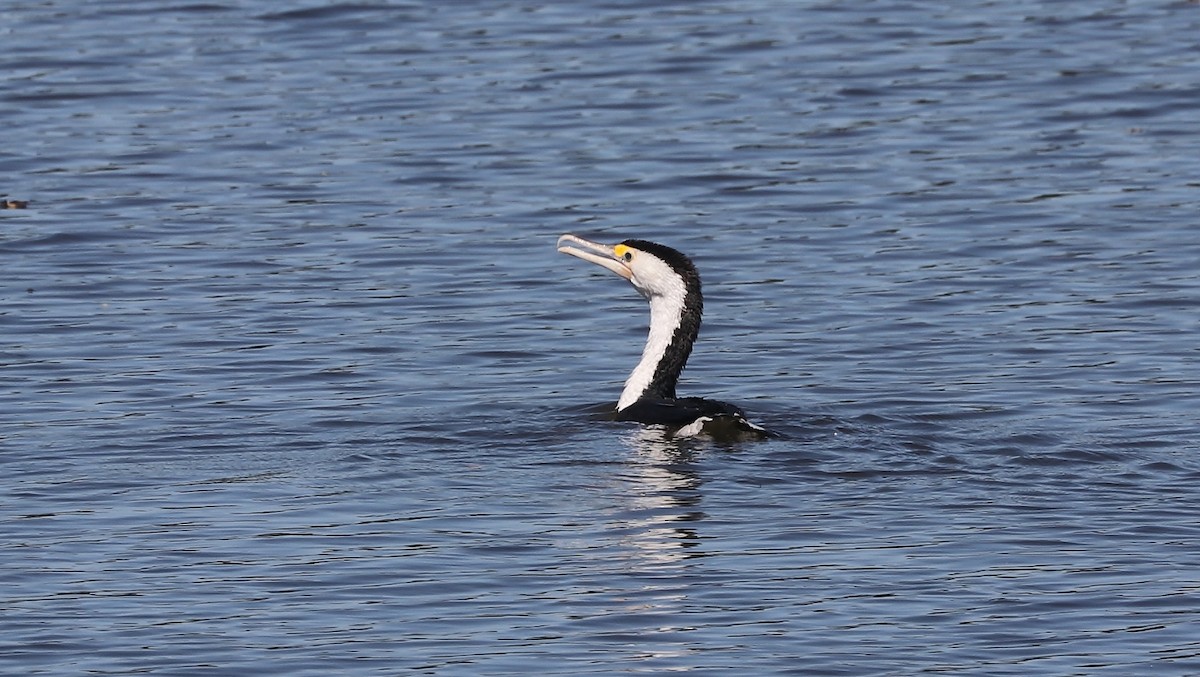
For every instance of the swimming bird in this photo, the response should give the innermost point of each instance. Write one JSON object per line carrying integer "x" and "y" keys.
{"x": 669, "y": 281}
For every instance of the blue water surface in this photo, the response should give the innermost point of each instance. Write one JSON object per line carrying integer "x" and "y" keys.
{"x": 293, "y": 381}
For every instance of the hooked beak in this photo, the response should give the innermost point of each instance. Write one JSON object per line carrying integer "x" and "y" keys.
{"x": 600, "y": 254}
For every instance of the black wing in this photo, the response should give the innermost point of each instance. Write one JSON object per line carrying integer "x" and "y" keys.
{"x": 721, "y": 419}
{"x": 678, "y": 411}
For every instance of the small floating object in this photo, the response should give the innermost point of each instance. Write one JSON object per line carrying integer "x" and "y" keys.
{"x": 9, "y": 203}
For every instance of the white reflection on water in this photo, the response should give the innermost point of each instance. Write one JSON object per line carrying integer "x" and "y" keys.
{"x": 661, "y": 521}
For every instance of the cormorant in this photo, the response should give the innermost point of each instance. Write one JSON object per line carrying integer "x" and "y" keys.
{"x": 669, "y": 281}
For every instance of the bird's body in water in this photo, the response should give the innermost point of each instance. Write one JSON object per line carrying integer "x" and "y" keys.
{"x": 669, "y": 281}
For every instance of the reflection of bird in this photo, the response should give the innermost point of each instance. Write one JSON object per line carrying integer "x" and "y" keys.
{"x": 669, "y": 281}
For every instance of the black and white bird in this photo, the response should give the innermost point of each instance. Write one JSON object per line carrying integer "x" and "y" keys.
{"x": 669, "y": 281}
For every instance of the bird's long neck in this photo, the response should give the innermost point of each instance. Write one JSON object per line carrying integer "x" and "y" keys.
{"x": 674, "y": 325}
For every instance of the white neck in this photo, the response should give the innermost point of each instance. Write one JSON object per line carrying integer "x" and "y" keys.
{"x": 665, "y": 311}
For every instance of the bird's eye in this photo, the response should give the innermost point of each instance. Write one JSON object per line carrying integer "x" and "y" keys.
{"x": 628, "y": 256}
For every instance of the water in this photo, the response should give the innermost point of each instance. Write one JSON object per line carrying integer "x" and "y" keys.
{"x": 294, "y": 382}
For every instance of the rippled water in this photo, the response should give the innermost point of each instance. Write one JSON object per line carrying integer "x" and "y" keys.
{"x": 294, "y": 382}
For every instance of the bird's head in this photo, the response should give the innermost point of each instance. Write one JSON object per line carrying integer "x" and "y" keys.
{"x": 655, "y": 270}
